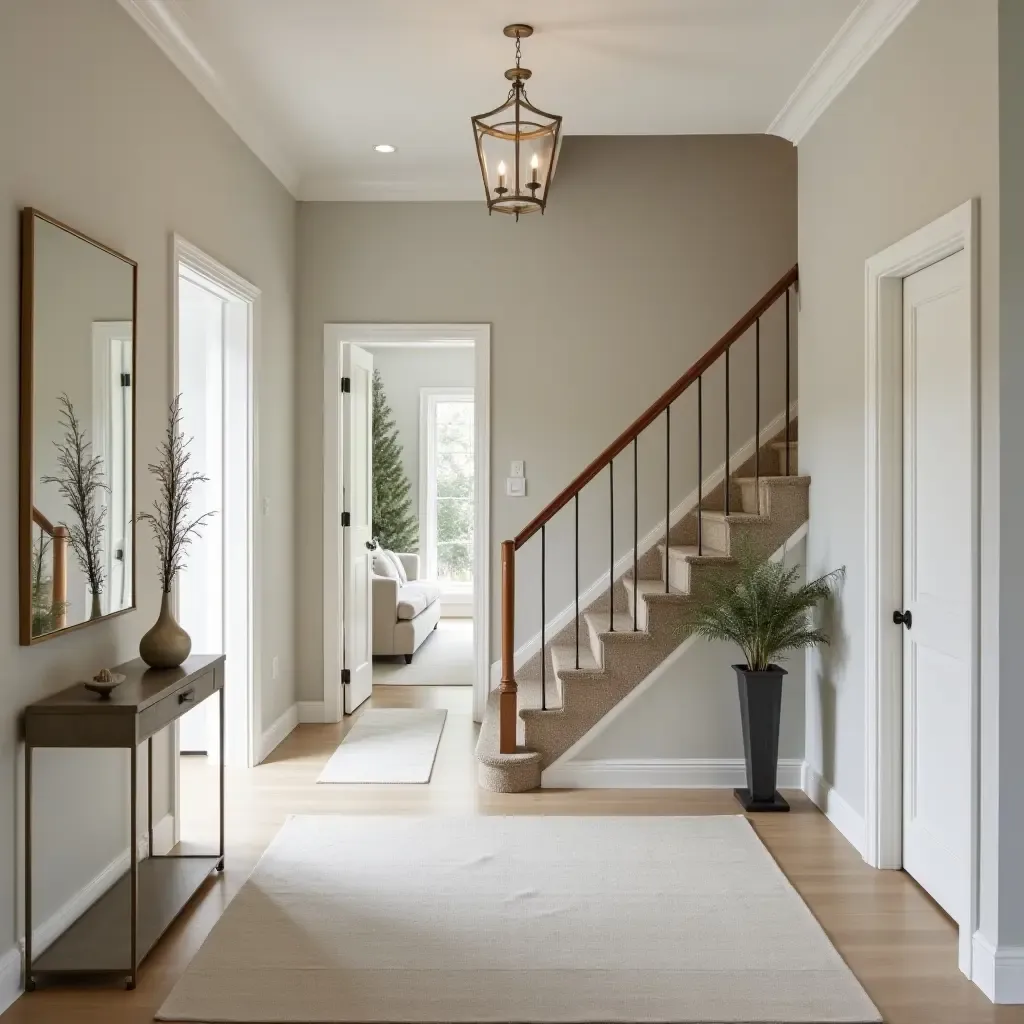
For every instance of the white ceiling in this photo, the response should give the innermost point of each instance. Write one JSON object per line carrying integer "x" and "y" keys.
{"x": 313, "y": 85}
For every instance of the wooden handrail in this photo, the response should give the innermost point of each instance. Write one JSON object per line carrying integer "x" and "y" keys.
{"x": 643, "y": 421}
{"x": 41, "y": 521}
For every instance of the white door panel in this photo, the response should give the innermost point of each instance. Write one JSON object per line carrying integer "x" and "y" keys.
{"x": 937, "y": 577}
{"x": 357, "y": 501}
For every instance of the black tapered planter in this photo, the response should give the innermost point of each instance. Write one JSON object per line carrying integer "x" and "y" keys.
{"x": 760, "y": 709}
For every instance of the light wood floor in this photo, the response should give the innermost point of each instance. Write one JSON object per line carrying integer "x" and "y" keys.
{"x": 898, "y": 943}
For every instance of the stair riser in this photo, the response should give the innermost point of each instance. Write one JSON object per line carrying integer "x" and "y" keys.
{"x": 748, "y": 497}
{"x": 794, "y": 468}
{"x": 715, "y": 533}
{"x": 679, "y": 574}
{"x": 595, "y": 644}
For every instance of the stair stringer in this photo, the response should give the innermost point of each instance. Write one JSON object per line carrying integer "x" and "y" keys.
{"x": 550, "y": 776}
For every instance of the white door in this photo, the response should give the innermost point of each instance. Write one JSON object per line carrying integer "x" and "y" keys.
{"x": 356, "y": 536}
{"x": 937, "y": 581}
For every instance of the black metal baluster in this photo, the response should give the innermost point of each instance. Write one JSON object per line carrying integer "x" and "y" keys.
{"x": 576, "y": 501}
{"x": 611, "y": 547}
{"x": 757, "y": 413}
{"x": 668, "y": 473}
{"x": 543, "y": 652}
{"x": 700, "y": 466}
{"x": 636, "y": 489}
{"x": 727, "y": 431}
{"x": 787, "y": 382}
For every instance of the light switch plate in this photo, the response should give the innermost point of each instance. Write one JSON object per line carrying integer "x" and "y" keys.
{"x": 518, "y": 469}
{"x": 515, "y": 487}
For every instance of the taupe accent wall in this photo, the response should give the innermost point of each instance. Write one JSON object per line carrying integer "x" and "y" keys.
{"x": 101, "y": 131}
{"x": 650, "y": 250}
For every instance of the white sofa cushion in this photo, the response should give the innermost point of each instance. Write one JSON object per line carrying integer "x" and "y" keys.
{"x": 403, "y": 576}
{"x": 416, "y": 597}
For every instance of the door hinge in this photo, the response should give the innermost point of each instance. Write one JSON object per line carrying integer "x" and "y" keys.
{"x": 346, "y": 385}
{"x": 346, "y": 519}
{"x": 346, "y": 676}
{"x": 126, "y": 380}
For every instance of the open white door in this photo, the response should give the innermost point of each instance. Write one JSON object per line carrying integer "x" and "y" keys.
{"x": 937, "y": 582}
{"x": 357, "y": 524}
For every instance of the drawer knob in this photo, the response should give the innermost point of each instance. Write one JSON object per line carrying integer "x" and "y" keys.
{"x": 187, "y": 697}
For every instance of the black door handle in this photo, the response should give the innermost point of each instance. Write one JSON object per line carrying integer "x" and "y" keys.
{"x": 903, "y": 618}
{"x": 369, "y": 545}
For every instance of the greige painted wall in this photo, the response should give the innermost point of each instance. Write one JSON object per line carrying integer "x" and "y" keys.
{"x": 101, "y": 131}
{"x": 406, "y": 370}
{"x": 913, "y": 136}
{"x": 651, "y": 249}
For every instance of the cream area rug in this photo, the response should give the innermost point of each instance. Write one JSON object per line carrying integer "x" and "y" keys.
{"x": 524, "y": 919}
{"x": 388, "y": 745}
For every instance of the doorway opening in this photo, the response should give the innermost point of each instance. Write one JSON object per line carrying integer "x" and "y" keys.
{"x": 215, "y": 313}
{"x": 922, "y": 569}
{"x": 422, "y": 568}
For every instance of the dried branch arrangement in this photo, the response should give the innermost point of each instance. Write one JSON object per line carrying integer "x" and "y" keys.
{"x": 79, "y": 480}
{"x": 173, "y": 530}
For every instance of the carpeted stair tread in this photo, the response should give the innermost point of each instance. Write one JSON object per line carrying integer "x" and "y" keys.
{"x": 645, "y": 587}
{"x": 691, "y": 551}
{"x": 563, "y": 658}
{"x": 621, "y": 622}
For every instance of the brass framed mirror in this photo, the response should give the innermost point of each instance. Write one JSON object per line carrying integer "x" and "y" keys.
{"x": 77, "y": 430}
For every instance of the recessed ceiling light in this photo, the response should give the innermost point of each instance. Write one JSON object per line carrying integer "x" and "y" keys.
{"x": 384, "y": 148}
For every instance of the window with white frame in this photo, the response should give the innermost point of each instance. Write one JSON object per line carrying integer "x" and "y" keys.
{"x": 447, "y": 486}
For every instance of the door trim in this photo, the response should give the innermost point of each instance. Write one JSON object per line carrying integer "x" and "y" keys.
{"x": 185, "y": 254}
{"x": 428, "y": 336}
{"x": 883, "y": 566}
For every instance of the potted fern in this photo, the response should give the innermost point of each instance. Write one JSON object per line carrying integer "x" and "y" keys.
{"x": 765, "y": 611}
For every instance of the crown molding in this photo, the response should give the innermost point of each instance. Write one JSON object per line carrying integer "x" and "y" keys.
{"x": 856, "y": 42}
{"x": 164, "y": 26}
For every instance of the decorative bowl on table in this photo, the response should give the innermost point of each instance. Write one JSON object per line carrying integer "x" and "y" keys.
{"x": 104, "y": 683}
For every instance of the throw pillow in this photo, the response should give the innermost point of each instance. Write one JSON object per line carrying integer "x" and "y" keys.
{"x": 403, "y": 576}
{"x": 383, "y": 565}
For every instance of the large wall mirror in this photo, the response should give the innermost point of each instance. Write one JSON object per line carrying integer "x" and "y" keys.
{"x": 77, "y": 487}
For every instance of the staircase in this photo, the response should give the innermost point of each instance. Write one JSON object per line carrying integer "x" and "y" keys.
{"x": 614, "y": 643}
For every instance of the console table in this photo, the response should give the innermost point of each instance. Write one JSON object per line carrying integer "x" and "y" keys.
{"x": 114, "y": 935}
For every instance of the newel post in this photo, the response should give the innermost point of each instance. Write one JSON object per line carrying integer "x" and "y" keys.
{"x": 508, "y": 689}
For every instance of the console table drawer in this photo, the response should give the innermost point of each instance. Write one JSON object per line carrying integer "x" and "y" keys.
{"x": 165, "y": 711}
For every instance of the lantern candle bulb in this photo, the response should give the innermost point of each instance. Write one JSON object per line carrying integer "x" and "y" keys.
{"x": 501, "y": 174}
{"x": 534, "y": 164}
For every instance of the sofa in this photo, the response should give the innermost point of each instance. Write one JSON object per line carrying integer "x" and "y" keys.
{"x": 406, "y": 609}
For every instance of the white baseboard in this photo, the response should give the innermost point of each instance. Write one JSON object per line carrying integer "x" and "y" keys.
{"x": 44, "y": 933}
{"x": 662, "y": 773}
{"x": 10, "y": 977}
{"x": 163, "y": 836}
{"x": 849, "y": 823}
{"x": 278, "y": 731}
{"x": 310, "y": 711}
{"x": 999, "y": 971}
{"x": 654, "y": 537}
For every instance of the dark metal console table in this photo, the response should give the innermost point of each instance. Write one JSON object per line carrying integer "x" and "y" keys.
{"x": 114, "y": 935}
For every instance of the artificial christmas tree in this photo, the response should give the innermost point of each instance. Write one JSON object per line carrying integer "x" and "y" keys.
{"x": 394, "y": 525}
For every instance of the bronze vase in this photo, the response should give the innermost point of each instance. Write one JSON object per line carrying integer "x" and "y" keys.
{"x": 166, "y": 645}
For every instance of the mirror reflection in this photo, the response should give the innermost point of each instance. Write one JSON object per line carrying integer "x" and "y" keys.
{"x": 79, "y": 341}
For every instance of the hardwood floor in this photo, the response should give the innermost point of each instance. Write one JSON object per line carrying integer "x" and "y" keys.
{"x": 898, "y": 943}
